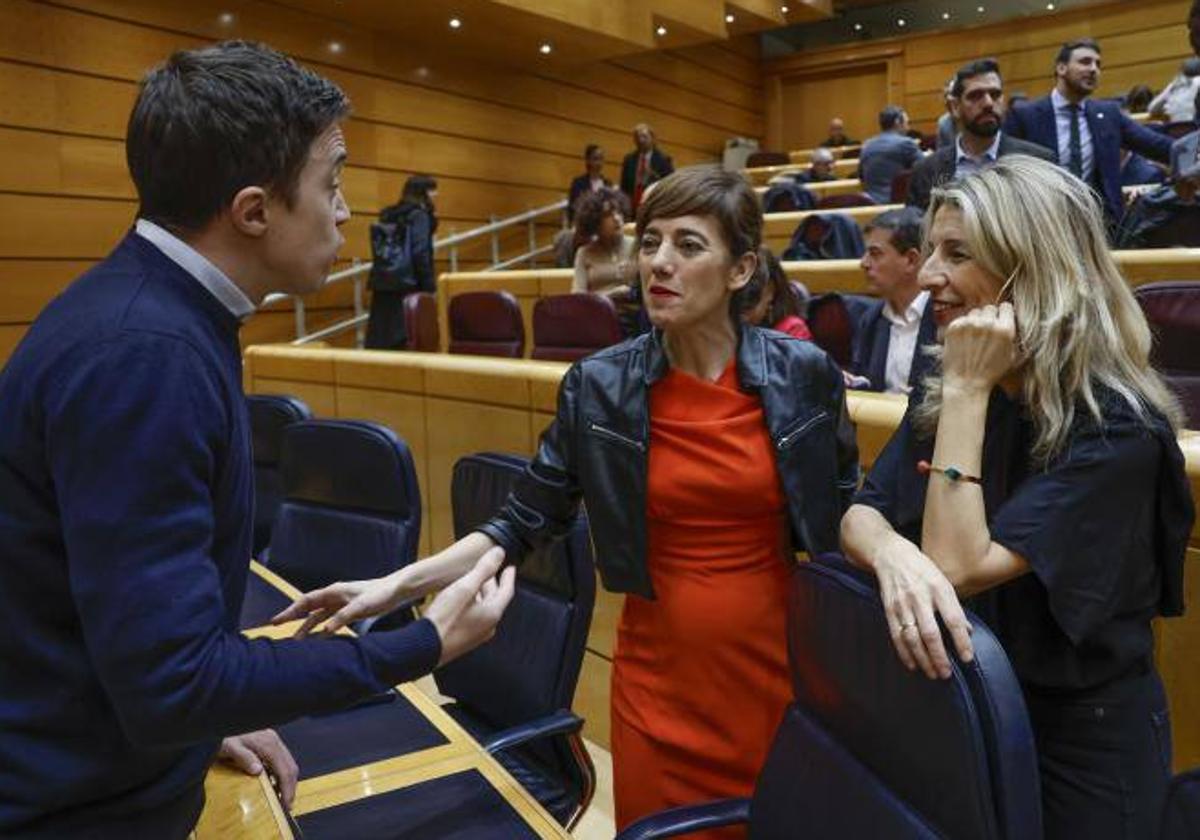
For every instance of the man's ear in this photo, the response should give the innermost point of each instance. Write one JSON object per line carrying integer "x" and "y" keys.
{"x": 249, "y": 212}
{"x": 955, "y": 108}
{"x": 743, "y": 270}
{"x": 912, "y": 257}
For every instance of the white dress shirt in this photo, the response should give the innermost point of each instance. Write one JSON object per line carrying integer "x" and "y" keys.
{"x": 198, "y": 266}
{"x": 902, "y": 343}
{"x": 1062, "y": 118}
{"x": 964, "y": 164}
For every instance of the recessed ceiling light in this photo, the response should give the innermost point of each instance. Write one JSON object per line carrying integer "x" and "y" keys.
{"x": 945, "y": 16}
{"x": 660, "y": 31}
{"x": 783, "y": 9}
{"x": 858, "y": 27}
{"x": 423, "y": 72}
{"x": 225, "y": 18}
{"x": 979, "y": 9}
{"x": 545, "y": 49}
{"x": 901, "y": 22}
{"x": 335, "y": 47}
{"x": 729, "y": 18}
{"x": 1050, "y": 7}
{"x": 455, "y": 23}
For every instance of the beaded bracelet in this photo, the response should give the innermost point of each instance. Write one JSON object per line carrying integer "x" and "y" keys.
{"x": 952, "y": 473}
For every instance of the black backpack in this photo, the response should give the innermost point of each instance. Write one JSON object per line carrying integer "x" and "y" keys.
{"x": 392, "y": 258}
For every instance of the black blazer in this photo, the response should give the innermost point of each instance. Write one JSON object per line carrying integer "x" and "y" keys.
{"x": 939, "y": 166}
{"x": 871, "y": 340}
{"x": 660, "y": 167}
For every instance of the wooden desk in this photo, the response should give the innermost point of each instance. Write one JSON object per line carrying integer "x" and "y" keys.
{"x": 246, "y": 807}
{"x": 820, "y": 189}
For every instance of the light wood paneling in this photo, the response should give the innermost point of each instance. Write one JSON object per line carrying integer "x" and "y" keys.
{"x": 858, "y": 91}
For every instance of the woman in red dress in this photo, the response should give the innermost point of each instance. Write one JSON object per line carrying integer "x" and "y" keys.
{"x": 708, "y": 452}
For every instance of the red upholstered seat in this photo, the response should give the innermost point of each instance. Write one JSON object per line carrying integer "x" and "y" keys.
{"x": 486, "y": 324}
{"x": 1173, "y": 310}
{"x": 421, "y": 322}
{"x": 569, "y": 327}
{"x": 900, "y": 186}
{"x": 834, "y": 202}
{"x": 768, "y": 159}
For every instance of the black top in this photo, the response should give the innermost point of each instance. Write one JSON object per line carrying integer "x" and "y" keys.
{"x": 1104, "y": 527}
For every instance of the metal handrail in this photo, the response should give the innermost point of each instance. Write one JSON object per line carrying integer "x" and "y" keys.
{"x": 452, "y": 242}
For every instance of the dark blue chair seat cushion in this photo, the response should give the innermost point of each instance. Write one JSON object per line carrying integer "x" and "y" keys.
{"x": 839, "y": 797}
{"x": 462, "y": 806}
{"x": 548, "y": 787}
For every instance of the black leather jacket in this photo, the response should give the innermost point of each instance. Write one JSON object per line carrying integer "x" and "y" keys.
{"x": 597, "y": 448}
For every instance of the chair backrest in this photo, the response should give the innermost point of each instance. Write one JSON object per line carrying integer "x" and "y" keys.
{"x": 838, "y": 202}
{"x": 768, "y": 159}
{"x": 569, "y": 327}
{"x": 270, "y": 414}
{"x": 870, "y": 749}
{"x": 787, "y": 196}
{"x": 900, "y": 186}
{"x": 833, "y": 319}
{"x": 351, "y": 505}
{"x": 421, "y": 322}
{"x": 1173, "y": 310}
{"x": 486, "y": 324}
{"x": 531, "y": 666}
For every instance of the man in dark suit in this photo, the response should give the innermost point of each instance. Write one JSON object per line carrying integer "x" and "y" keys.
{"x": 643, "y": 167}
{"x": 888, "y": 337}
{"x": 977, "y": 103}
{"x": 1087, "y": 136}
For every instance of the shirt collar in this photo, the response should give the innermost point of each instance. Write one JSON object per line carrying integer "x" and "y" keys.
{"x": 991, "y": 153}
{"x": 1061, "y": 102}
{"x": 911, "y": 315}
{"x": 198, "y": 266}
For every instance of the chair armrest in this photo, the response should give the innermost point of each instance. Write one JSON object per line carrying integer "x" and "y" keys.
{"x": 561, "y": 722}
{"x": 688, "y": 818}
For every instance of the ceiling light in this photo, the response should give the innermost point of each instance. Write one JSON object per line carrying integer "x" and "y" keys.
{"x": 783, "y": 9}
{"x": 945, "y": 16}
{"x": 858, "y": 27}
{"x": 225, "y": 18}
{"x": 979, "y": 9}
{"x": 545, "y": 49}
{"x": 729, "y": 18}
{"x": 1050, "y": 7}
{"x": 901, "y": 22}
{"x": 335, "y": 47}
{"x": 455, "y": 23}
{"x": 660, "y": 31}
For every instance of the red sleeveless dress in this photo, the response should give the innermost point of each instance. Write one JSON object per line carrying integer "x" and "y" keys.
{"x": 700, "y": 675}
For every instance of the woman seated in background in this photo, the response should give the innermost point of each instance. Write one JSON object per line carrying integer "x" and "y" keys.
{"x": 701, "y": 450}
{"x": 778, "y": 306}
{"x": 590, "y": 181}
{"x": 605, "y": 262}
{"x": 1039, "y": 473}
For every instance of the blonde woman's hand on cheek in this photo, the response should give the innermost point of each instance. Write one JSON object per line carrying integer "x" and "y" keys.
{"x": 980, "y": 348}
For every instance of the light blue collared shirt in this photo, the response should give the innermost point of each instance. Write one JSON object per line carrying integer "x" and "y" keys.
{"x": 1062, "y": 119}
{"x": 964, "y": 164}
{"x": 198, "y": 266}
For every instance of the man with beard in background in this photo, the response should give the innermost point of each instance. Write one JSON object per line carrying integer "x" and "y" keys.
{"x": 977, "y": 103}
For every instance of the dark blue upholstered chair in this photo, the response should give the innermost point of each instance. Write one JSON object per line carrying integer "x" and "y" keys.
{"x": 868, "y": 749}
{"x": 514, "y": 693}
{"x": 1181, "y": 816}
{"x": 269, "y": 416}
{"x": 351, "y": 506}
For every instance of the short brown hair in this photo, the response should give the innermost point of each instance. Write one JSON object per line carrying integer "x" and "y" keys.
{"x": 709, "y": 190}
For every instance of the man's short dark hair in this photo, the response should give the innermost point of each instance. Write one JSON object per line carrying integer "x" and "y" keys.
{"x": 890, "y": 117}
{"x": 970, "y": 70}
{"x": 904, "y": 224}
{"x": 1064, "y": 54}
{"x": 210, "y": 122}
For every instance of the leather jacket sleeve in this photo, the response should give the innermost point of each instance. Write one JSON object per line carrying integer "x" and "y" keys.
{"x": 543, "y": 504}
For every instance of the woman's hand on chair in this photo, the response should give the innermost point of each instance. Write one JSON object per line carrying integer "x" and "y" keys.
{"x": 467, "y": 611}
{"x": 345, "y": 602}
{"x": 914, "y": 592}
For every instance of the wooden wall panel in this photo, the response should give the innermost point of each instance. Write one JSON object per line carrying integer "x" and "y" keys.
{"x": 1142, "y": 43}
{"x": 499, "y": 140}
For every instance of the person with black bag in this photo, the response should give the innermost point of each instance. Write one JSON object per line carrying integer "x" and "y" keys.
{"x": 402, "y": 261}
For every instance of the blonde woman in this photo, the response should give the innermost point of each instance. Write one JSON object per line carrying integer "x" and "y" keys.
{"x": 1039, "y": 473}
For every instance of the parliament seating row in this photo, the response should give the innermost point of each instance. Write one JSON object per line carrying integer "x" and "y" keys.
{"x": 819, "y": 276}
{"x": 450, "y": 406}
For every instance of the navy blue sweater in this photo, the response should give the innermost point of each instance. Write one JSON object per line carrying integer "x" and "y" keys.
{"x": 126, "y": 493}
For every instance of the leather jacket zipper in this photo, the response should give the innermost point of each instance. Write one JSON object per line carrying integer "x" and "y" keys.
{"x": 609, "y": 433}
{"x": 785, "y": 440}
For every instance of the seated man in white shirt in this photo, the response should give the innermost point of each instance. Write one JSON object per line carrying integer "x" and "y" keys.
{"x": 888, "y": 338}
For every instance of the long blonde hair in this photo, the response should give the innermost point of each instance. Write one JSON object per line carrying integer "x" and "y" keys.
{"x": 1077, "y": 321}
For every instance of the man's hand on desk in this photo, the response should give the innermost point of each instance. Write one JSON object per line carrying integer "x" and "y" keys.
{"x": 253, "y": 751}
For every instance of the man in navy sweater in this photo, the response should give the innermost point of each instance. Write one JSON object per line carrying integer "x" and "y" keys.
{"x": 126, "y": 486}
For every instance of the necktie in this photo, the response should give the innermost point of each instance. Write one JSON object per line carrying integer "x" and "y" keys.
{"x": 1075, "y": 148}
{"x": 639, "y": 181}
